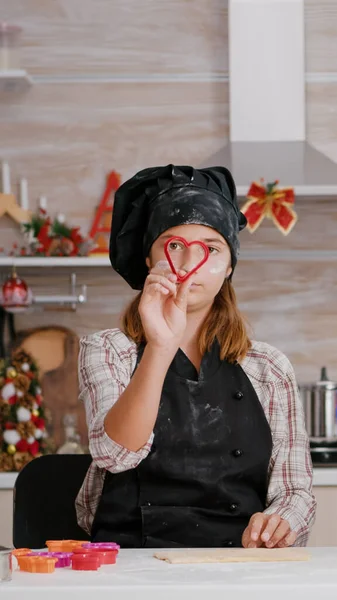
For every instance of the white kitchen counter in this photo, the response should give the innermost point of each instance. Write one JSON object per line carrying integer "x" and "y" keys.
{"x": 324, "y": 476}
{"x": 137, "y": 575}
{"x": 7, "y": 480}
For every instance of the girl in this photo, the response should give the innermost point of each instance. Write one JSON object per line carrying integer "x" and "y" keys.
{"x": 196, "y": 433}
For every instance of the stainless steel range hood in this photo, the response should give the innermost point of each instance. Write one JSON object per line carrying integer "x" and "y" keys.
{"x": 295, "y": 164}
{"x": 267, "y": 101}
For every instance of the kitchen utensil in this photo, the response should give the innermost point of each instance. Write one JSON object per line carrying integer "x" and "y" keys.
{"x": 5, "y": 564}
{"x": 319, "y": 403}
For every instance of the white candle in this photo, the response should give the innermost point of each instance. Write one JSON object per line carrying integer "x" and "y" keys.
{"x": 24, "y": 194}
{"x": 6, "y": 180}
{"x": 43, "y": 202}
{"x": 61, "y": 218}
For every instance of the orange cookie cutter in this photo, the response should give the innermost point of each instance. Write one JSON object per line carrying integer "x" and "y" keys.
{"x": 64, "y": 545}
{"x": 21, "y": 552}
{"x": 37, "y": 564}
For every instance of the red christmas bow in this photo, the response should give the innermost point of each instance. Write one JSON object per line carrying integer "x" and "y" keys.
{"x": 268, "y": 201}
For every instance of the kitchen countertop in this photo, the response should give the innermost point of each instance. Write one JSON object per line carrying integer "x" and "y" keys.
{"x": 138, "y": 575}
{"x": 7, "y": 480}
{"x": 323, "y": 476}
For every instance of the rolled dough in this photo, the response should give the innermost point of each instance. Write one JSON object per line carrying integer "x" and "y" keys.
{"x": 230, "y": 555}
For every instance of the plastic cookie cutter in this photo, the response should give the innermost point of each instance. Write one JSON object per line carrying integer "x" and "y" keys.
{"x": 103, "y": 545}
{"x": 16, "y": 554}
{"x": 21, "y": 552}
{"x": 86, "y": 561}
{"x": 63, "y": 558}
{"x": 187, "y": 244}
{"x": 63, "y": 545}
{"x": 37, "y": 564}
{"x": 106, "y": 556}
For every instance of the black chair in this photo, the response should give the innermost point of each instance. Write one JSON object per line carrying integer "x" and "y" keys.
{"x": 44, "y": 497}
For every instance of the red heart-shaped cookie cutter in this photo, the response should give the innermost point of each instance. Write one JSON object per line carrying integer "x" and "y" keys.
{"x": 183, "y": 278}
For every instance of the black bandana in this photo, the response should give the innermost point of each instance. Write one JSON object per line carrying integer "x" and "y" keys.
{"x": 158, "y": 198}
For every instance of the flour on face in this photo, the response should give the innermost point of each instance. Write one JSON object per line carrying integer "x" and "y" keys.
{"x": 219, "y": 267}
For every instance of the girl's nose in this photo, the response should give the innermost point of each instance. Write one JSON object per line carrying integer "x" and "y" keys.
{"x": 191, "y": 257}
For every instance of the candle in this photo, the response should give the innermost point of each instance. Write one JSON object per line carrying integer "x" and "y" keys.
{"x": 61, "y": 218}
{"x": 43, "y": 202}
{"x": 6, "y": 182}
{"x": 24, "y": 194}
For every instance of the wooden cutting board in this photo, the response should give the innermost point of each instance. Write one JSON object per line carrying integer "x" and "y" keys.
{"x": 55, "y": 350}
{"x": 230, "y": 555}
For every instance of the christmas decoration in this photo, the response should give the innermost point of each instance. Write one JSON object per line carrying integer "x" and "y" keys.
{"x": 102, "y": 220}
{"x": 271, "y": 202}
{"x": 22, "y": 418}
{"x": 15, "y": 295}
{"x": 47, "y": 237}
{"x": 8, "y": 204}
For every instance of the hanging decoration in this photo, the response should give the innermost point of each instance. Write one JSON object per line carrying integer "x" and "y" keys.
{"x": 22, "y": 417}
{"x": 101, "y": 226}
{"x": 271, "y": 202}
{"x": 15, "y": 295}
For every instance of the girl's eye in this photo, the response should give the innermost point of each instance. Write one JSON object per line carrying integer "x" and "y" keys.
{"x": 212, "y": 250}
{"x": 174, "y": 246}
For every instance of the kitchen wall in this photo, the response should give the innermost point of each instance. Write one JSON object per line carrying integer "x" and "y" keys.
{"x": 123, "y": 84}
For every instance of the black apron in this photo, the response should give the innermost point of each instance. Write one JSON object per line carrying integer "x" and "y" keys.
{"x": 207, "y": 471}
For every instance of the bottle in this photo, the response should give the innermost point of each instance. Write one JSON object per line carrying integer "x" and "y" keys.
{"x": 72, "y": 440}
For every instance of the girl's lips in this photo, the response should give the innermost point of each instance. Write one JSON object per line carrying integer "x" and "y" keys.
{"x": 193, "y": 284}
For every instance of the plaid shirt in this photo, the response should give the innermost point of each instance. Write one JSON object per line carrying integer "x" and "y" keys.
{"x": 106, "y": 363}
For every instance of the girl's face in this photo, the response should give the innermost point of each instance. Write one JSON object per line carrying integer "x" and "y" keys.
{"x": 208, "y": 279}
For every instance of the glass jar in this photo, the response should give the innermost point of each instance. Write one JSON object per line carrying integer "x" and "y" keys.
{"x": 72, "y": 441}
{"x": 9, "y": 47}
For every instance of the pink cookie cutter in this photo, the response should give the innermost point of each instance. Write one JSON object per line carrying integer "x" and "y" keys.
{"x": 63, "y": 558}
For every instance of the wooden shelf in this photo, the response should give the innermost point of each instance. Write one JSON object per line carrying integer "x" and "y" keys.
{"x": 14, "y": 81}
{"x": 246, "y": 254}
{"x": 268, "y": 254}
{"x": 307, "y": 192}
{"x": 81, "y": 261}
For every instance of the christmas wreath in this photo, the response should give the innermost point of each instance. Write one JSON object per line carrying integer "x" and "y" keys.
{"x": 23, "y": 433}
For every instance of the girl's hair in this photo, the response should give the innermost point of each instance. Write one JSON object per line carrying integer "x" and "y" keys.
{"x": 223, "y": 322}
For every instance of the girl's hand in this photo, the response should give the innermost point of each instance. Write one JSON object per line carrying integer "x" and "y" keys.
{"x": 269, "y": 531}
{"x": 162, "y": 308}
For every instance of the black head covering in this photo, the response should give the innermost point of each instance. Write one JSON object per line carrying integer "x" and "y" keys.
{"x": 159, "y": 198}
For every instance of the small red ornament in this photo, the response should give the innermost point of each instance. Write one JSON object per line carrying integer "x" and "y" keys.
{"x": 22, "y": 446}
{"x": 38, "y": 422}
{"x": 33, "y": 448}
{"x": 15, "y": 295}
